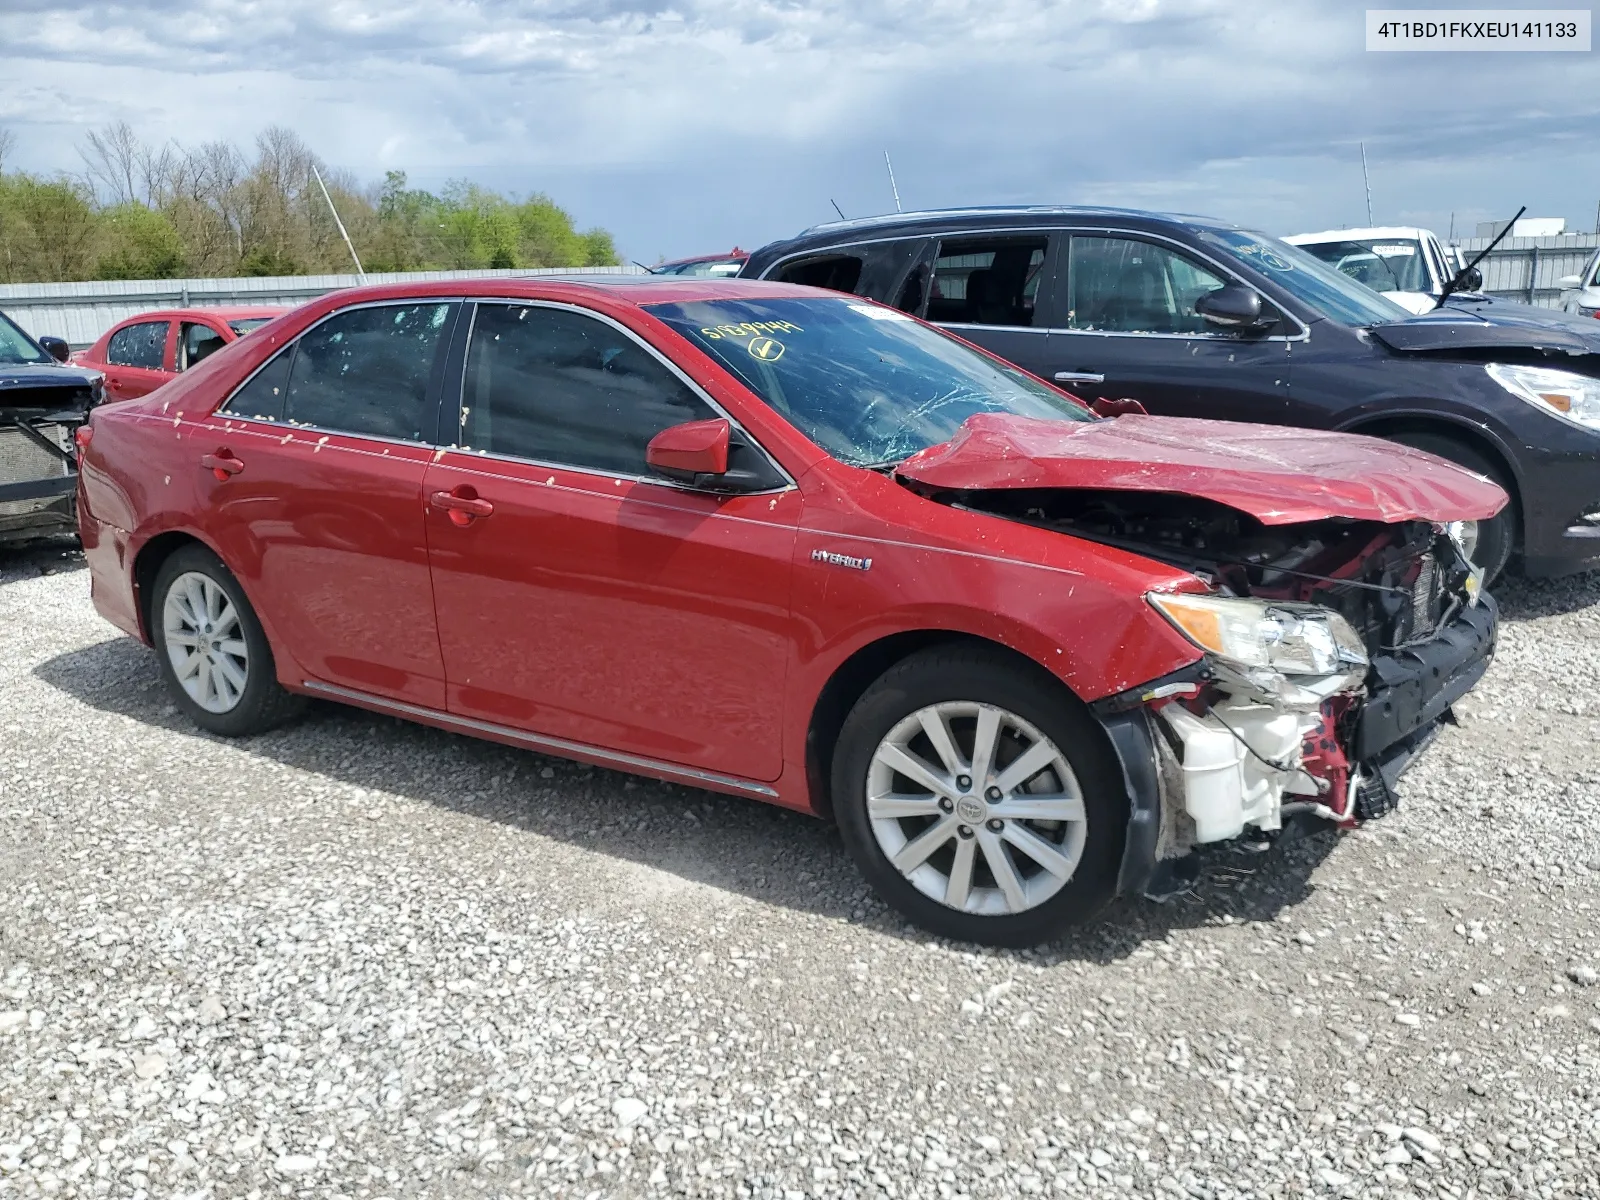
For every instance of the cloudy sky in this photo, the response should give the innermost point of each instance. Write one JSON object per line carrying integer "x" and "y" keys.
{"x": 687, "y": 125}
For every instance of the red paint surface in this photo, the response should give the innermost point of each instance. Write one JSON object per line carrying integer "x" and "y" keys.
{"x": 1278, "y": 475}
{"x": 629, "y": 615}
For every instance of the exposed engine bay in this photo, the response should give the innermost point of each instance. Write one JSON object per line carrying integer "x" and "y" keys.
{"x": 1329, "y": 618}
{"x": 37, "y": 455}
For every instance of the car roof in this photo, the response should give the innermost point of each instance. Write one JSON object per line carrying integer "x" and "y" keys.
{"x": 730, "y": 256}
{"x": 941, "y": 221}
{"x": 934, "y": 216}
{"x": 229, "y": 313}
{"x": 628, "y": 289}
{"x": 1350, "y": 235}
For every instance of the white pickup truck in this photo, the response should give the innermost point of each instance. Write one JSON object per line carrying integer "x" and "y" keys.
{"x": 1409, "y": 266}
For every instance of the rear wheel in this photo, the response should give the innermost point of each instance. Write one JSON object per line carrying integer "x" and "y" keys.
{"x": 979, "y": 798}
{"x": 213, "y": 652}
{"x": 1489, "y": 543}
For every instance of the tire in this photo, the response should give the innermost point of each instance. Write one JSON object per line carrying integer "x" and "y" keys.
{"x": 1496, "y": 537}
{"x": 1078, "y": 796}
{"x": 230, "y": 683}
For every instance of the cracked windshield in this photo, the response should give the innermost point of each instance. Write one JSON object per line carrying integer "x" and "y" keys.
{"x": 868, "y": 384}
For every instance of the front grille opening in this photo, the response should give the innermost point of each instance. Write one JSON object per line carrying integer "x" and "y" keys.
{"x": 22, "y": 459}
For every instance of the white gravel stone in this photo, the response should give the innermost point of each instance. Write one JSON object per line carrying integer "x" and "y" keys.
{"x": 628, "y": 1110}
{"x": 457, "y": 998}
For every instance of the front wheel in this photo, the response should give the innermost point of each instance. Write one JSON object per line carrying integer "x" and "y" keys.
{"x": 213, "y": 652}
{"x": 979, "y": 798}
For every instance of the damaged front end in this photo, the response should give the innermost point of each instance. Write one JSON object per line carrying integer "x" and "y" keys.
{"x": 38, "y": 453}
{"x": 1332, "y": 651}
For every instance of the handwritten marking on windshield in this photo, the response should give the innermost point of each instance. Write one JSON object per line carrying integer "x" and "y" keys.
{"x": 749, "y": 329}
{"x": 766, "y": 349}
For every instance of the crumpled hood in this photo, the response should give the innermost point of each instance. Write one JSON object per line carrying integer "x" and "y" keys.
{"x": 1492, "y": 327}
{"x": 33, "y": 375}
{"x": 1278, "y": 475}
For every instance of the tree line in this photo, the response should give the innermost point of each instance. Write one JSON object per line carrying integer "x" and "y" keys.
{"x": 144, "y": 211}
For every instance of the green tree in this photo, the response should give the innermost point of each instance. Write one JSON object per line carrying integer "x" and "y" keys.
{"x": 139, "y": 243}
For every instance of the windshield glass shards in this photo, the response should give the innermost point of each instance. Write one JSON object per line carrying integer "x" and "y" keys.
{"x": 868, "y": 384}
{"x": 1309, "y": 279}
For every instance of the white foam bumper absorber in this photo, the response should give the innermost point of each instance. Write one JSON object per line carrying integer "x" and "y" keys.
{"x": 1226, "y": 786}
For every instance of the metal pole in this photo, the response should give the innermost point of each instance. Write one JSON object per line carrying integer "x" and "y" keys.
{"x": 1366, "y": 182}
{"x": 1533, "y": 272}
{"x": 892, "y": 187}
{"x": 360, "y": 274}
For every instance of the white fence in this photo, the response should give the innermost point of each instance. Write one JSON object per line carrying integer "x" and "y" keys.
{"x": 81, "y": 312}
{"x": 1528, "y": 269}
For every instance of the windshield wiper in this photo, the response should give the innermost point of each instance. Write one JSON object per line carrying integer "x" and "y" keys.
{"x": 1460, "y": 280}
{"x": 885, "y": 466}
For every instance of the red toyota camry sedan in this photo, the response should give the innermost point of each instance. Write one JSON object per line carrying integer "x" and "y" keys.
{"x": 792, "y": 545}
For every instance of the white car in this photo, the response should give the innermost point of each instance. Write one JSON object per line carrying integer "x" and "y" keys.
{"x": 1580, "y": 293}
{"x": 1409, "y": 266}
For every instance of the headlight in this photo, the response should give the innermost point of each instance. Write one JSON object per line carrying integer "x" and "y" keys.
{"x": 1291, "y": 639}
{"x": 1574, "y": 397}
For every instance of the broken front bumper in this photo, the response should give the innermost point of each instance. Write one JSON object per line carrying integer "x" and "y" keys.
{"x": 1175, "y": 805}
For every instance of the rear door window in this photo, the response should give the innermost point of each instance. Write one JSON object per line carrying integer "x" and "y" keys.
{"x": 836, "y": 272}
{"x": 369, "y": 370}
{"x": 986, "y": 281}
{"x": 142, "y": 345}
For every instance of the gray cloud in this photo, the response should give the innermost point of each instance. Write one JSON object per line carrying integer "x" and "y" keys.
{"x": 686, "y": 124}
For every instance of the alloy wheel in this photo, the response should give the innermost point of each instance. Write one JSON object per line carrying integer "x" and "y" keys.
{"x": 205, "y": 642}
{"x": 976, "y": 807}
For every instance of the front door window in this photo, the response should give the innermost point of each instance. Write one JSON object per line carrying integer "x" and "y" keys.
{"x": 1120, "y": 285}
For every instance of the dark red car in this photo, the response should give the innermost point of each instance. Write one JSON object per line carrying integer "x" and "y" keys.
{"x": 707, "y": 266}
{"x": 796, "y": 546}
{"x": 140, "y": 354}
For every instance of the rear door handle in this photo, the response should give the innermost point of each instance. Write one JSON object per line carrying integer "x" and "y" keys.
{"x": 222, "y": 464}
{"x": 1079, "y": 377}
{"x": 463, "y": 505}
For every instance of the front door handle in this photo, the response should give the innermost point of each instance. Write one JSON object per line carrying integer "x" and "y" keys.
{"x": 222, "y": 464}
{"x": 462, "y": 504}
{"x": 1079, "y": 377}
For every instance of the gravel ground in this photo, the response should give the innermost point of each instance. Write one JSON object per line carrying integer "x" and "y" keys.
{"x": 358, "y": 958}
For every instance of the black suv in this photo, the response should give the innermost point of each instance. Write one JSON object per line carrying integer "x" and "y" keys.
{"x": 1199, "y": 318}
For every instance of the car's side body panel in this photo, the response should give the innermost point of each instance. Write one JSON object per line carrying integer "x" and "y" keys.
{"x": 617, "y": 611}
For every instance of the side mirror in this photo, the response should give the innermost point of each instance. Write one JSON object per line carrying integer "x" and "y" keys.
{"x": 1469, "y": 279}
{"x": 1232, "y": 306}
{"x": 1570, "y": 281}
{"x": 1107, "y": 407}
{"x": 55, "y": 347}
{"x": 692, "y": 451}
